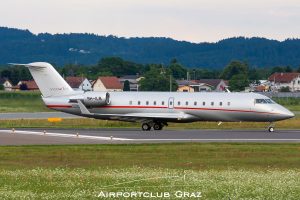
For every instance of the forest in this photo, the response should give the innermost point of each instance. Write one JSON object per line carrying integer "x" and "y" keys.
{"x": 22, "y": 46}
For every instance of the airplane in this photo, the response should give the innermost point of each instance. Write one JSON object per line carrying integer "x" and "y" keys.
{"x": 154, "y": 109}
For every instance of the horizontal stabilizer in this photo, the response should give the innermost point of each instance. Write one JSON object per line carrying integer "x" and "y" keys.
{"x": 27, "y": 65}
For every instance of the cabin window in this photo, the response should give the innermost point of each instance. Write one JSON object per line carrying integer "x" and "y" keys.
{"x": 162, "y": 103}
{"x": 195, "y": 103}
{"x": 130, "y": 102}
{"x": 178, "y": 103}
{"x": 154, "y": 103}
{"x": 212, "y": 103}
{"x": 139, "y": 103}
{"x": 221, "y": 103}
{"x": 186, "y": 103}
{"x": 171, "y": 103}
{"x": 228, "y": 103}
{"x": 147, "y": 103}
{"x": 203, "y": 103}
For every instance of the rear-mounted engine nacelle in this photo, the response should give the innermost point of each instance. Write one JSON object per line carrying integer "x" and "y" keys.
{"x": 92, "y": 99}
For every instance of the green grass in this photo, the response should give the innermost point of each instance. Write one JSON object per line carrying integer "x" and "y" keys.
{"x": 173, "y": 156}
{"x": 218, "y": 171}
{"x": 290, "y": 103}
{"x": 25, "y": 101}
{"x": 88, "y": 184}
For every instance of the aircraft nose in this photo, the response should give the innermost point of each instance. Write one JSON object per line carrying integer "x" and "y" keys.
{"x": 287, "y": 114}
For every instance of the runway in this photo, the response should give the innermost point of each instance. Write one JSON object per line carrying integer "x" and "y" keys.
{"x": 128, "y": 136}
{"x": 36, "y": 115}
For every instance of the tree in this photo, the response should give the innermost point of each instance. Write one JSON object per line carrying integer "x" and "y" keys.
{"x": 157, "y": 79}
{"x": 1, "y": 87}
{"x": 288, "y": 69}
{"x": 234, "y": 68}
{"x": 238, "y": 82}
{"x": 126, "y": 86}
{"x": 178, "y": 70}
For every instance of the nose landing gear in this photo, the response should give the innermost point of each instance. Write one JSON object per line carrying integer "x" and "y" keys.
{"x": 271, "y": 127}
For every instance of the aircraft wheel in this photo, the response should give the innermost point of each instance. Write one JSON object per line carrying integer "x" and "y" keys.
{"x": 271, "y": 129}
{"x": 146, "y": 127}
{"x": 157, "y": 126}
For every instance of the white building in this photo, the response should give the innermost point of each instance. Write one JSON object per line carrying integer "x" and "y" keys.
{"x": 281, "y": 80}
{"x": 79, "y": 83}
{"x": 7, "y": 85}
{"x": 107, "y": 83}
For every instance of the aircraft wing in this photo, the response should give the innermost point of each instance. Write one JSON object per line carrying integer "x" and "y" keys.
{"x": 134, "y": 116}
{"x": 142, "y": 116}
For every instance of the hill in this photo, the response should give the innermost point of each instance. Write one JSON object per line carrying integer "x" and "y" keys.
{"x": 23, "y": 46}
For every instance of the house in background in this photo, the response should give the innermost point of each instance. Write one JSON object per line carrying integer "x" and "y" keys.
{"x": 192, "y": 86}
{"x": 7, "y": 85}
{"x": 79, "y": 83}
{"x": 284, "y": 80}
{"x": 30, "y": 85}
{"x": 185, "y": 88}
{"x": 218, "y": 85}
{"x": 107, "y": 83}
{"x": 133, "y": 81}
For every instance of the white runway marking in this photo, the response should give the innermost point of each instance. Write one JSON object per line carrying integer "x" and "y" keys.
{"x": 297, "y": 140}
{"x": 64, "y": 135}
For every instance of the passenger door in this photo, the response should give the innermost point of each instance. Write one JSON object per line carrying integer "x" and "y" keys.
{"x": 171, "y": 103}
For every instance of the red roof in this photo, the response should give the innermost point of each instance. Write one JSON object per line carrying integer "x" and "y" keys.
{"x": 31, "y": 85}
{"x": 74, "y": 81}
{"x": 283, "y": 77}
{"x": 110, "y": 82}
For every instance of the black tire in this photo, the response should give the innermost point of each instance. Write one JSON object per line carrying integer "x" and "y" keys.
{"x": 146, "y": 127}
{"x": 157, "y": 126}
{"x": 271, "y": 129}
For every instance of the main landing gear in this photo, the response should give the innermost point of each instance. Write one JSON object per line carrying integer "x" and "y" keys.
{"x": 156, "y": 126}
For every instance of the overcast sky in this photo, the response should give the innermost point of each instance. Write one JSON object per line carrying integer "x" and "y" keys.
{"x": 190, "y": 20}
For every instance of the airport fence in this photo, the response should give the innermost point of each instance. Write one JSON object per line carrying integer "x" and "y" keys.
{"x": 281, "y": 94}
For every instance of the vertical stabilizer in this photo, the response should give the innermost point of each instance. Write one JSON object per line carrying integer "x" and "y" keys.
{"x": 49, "y": 81}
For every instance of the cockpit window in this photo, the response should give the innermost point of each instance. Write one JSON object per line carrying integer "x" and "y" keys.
{"x": 264, "y": 101}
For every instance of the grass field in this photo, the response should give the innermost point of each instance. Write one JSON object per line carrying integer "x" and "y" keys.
{"x": 21, "y": 102}
{"x": 218, "y": 171}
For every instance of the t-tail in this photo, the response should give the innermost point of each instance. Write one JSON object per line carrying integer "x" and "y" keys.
{"x": 49, "y": 81}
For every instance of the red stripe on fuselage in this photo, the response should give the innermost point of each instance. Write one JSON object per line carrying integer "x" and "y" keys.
{"x": 132, "y": 107}
{"x": 225, "y": 110}
{"x": 164, "y": 107}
